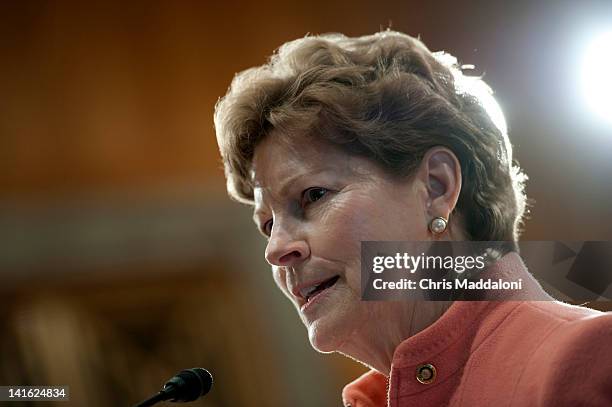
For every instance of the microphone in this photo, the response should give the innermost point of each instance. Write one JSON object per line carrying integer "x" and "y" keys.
{"x": 187, "y": 385}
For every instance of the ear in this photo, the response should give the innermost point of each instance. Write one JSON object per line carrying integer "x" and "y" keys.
{"x": 440, "y": 173}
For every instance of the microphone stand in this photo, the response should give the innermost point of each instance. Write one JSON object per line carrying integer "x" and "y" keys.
{"x": 161, "y": 396}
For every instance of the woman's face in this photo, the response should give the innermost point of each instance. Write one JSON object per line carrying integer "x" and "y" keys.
{"x": 316, "y": 203}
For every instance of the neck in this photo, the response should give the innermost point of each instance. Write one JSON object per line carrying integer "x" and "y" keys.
{"x": 375, "y": 341}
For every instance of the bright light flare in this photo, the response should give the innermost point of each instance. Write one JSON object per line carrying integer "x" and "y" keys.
{"x": 597, "y": 75}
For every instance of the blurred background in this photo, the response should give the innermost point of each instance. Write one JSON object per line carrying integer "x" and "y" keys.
{"x": 122, "y": 261}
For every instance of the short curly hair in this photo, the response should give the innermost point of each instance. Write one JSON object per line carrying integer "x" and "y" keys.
{"x": 386, "y": 97}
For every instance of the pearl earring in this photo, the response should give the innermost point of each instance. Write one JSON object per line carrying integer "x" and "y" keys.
{"x": 438, "y": 225}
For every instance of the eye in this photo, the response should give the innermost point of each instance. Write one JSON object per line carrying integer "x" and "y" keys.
{"x": 312, "y": 195}
{"x": 267, "y": 228}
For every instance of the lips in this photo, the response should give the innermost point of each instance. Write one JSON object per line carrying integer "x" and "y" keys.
{"x": 307, "y": 292}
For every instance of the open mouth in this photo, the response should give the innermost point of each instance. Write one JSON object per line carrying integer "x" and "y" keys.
{"x": 319, "y": 288}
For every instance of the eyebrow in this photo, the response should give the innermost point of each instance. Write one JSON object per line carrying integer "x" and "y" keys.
{"x": 256, "y": 216}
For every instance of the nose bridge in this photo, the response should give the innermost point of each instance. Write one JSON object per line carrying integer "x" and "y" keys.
{"x": 287, "y": 245}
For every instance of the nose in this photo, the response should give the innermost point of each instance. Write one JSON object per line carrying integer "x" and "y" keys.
{"x": 285, "y": 248}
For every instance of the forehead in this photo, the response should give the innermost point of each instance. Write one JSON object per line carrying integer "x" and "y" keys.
{"x": 276, "y": 156}
{"x": 278, "y": 161}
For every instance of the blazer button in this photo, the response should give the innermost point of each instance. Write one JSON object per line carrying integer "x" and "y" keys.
{"x": 426, "y": 373}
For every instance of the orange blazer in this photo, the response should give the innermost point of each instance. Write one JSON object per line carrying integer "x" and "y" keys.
{"x": 499, "y": 353}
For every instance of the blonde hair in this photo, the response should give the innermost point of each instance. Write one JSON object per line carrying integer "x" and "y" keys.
{"x": 386, "y": 97}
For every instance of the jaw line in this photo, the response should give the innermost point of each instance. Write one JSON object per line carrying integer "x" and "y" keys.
{"x": 346, "y": 340}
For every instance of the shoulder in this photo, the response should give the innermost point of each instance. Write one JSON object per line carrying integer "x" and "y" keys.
{"x": 573, "y": 324}
{"x": 572, "y": 364}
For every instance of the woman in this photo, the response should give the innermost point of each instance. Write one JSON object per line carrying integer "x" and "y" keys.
{"x": 341, "y": 140}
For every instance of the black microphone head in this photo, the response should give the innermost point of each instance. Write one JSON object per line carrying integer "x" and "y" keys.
{"x": 189, "y": 384}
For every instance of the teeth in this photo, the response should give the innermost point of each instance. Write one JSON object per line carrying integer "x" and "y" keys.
{"x": 306, "y": 292}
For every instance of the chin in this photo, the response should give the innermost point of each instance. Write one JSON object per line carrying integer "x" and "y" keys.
{"x": 326, "y": 337}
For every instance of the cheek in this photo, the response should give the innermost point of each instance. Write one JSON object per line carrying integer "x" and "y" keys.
{"x": 337, "y": 234}
{"x": 361, "y": 216}
{"x": 336, "y": 230}
{"x": 392, "y": 216}
{"x": 371, "y": 215}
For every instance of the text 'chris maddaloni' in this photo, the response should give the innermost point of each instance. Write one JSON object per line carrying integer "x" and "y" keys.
{"x": 430, "y": 275}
